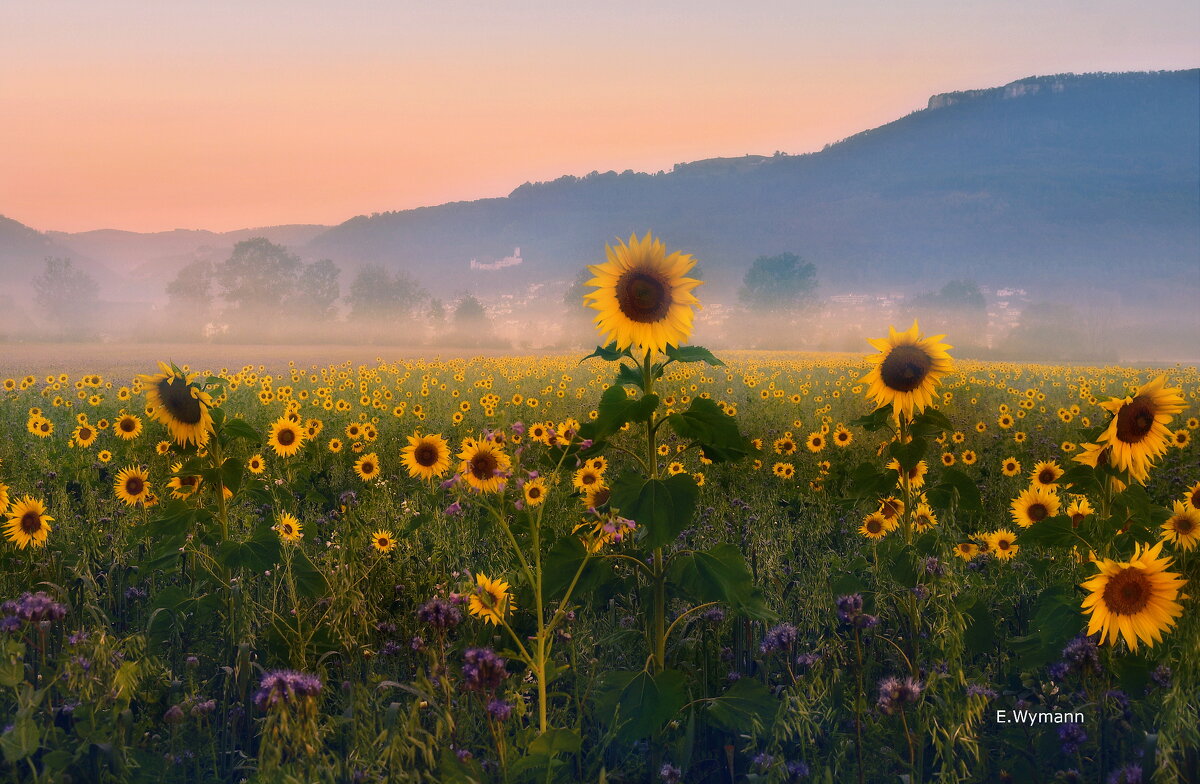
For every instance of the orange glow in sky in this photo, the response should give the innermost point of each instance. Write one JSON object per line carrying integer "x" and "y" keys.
{"x": 226, "y": 115}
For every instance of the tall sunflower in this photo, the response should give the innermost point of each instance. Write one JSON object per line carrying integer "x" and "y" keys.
{"x": 1138, "y": 430}
{"x": 1033, "y": 505}
{"x": 484, "y": 465}
{"x": 1135, "y": 599}
{"x": 426, "y": 456}
{"x": 133, "y": 485}
{"x": 490, "y": 600}
{"x": 908, "y": 368}
{"x": 643, "y": 296}
{"x": 176, "y": 401}
{"x": 28, "y": 523}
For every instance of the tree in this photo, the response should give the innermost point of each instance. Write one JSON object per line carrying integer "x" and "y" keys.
{"x": 469, "y": 315}
{"x": 377, "y": 293}
{"x": 316, "y": 290}
{"x": 256, "y": 281}
{"x": 67, "y": 296}
{"x": 780, "y": 282}
{"x": 190, "y": 294}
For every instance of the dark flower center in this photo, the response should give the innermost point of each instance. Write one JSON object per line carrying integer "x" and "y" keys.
{"x": 286, "y": 437}
{"x": 84, "y": 433}
{"x": 874, "y": 525}
{"x": 643, "y": 296}
{"x": 134, "y": 485}
{"x": 425, "y": 455}
{"x": 177, "y": 398}
{"x": 1183, "y": 525}
{"x": 1047, "y": 476}
{"x": 600, "y": 497}
{"x": 127, "y": 425}
{"x": 905, "y": 368}
{"x": 31, "y": 522}
{"x": 1127, "y": 592}
{"x": 1135, "y": 419}
{"x": 483, "y": 465}
{"x": 1038, "y": 512}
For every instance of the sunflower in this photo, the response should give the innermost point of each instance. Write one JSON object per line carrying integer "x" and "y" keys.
{"x": 948, "y": 459}
{"x": 815, "y": 442}
{"x": 367, "y": 467}
{"x": 490, "y": 600}
{"x": 892, "y": 509}
{"x": 643, "y": 297}
{"x": 1181, "y": 438}
{"x": 383, "y": 541}
{"x": 596, "y": 496}
{"x": 1002, "y": 544}
{"x": 676, "y": 467}
{"x": 1182, "y": 528}
{"x": 426, "y": 456}
{"x": 907, "y": 370}
{"x": 484, "y": 465}
{"x": 181, "y": 486}
{"x": 586, "y": 477}
{"x": 1192, "y": 496}
{"x": 875, "y": 526}
{"x": 535, "y": 491}
{"x": 28, "y": 523}
{"x": 85, "y": 435}
{"x": 1078, "y": 510}
{"x": 969, "y": 457}
{"x": 599, "y": 463}
{"x": 1138, "y": 430}
{"x": 784, "y": 446}
{"x": 1135, "y": 599}
{"x": 1033, "y": 505}
{"x": 174, "y": 400}
{"x": 924, "y": 518}
{"x": 1045, "y": 475}
{"x": 256, "y": 464}
{"x": 3, "y": 497}
{"x": 132, "y": 485}
{"x": 966, "y": 550}
{"x": 842, "y": 436}
{"x": 290, "y": 529}
{"x": 1010, "y": 467}
{"x": 127, "y": 427}
{"x": 916, "y": 474}
{"x": 285, "y": 437}
{"x": 783, "y": 470}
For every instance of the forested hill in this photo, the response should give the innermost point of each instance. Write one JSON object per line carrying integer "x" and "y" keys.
{"x": 1045, "y": 182}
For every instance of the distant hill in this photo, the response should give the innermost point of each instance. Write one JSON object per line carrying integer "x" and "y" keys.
{"x": 1045, "y": 182}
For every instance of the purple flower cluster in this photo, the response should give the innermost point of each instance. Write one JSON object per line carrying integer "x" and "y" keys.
{"x": 1072, "y": 737}
{"x": 439, "y": 614}
{"x": 1080, "y": 657}
{"x": 778, "y": 639}
{"x": 31, "y": 608}
{"x": 977, "y": 690}
{"x": 499, "y": 710}
{"x": 850, "y": 612}
{"x": 670, "y": 774}
{"x": 483, "y": 669}
{"x": 286, "y": 687}
{"x": 895, "y": 693}
{"x": 1127, "y": 774}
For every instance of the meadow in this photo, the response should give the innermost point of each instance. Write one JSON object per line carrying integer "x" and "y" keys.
{"x": 652, "y": 564}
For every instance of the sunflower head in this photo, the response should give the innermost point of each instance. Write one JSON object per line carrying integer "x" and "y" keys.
{"x": 177, "y": 401}
{"x": 289, "y": 527}
{"x": 383, "y": 541}
{"x": 133, "y": 485}
{"x": 907, "y": 370}
{"x": 1137, "y": 434}
{"x": 1135, "y": 599}
{"x": 484, "y": 465}
{"x": 643, "y": 297}
{"x": 28, "y": 524}
{"x": 490, "y": 599}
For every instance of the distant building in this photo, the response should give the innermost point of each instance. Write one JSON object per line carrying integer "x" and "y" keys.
{"x": 507, "y": 261}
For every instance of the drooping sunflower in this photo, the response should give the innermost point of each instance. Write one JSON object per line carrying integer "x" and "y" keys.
{"x": 1002, "y": 544}
{"x": 28, "y": 523}
{"x": 490, "y": 600}
{"x": 535, "y": 491}
{"x": 289, "y": 527}
{"x": 426, "y": 457}
{"x": 1078, "y": 511}
{"x": 1138, "y": 430}
{"x": 383, "y": 541}
{"x": 285, "y": 437}
{"x": 182, "y": 486}
{"x": 484, "y": 465}
{"x": 127, "y": 427}
{"x": 908, "y": 369}
{"x": 916, "y": 474}
{"x": 1033, "y": 505}
{"x": 1045, "y": 474}
{"x": 924, "y": 518}
{"x": 367, "y": 467}
{"x": 176, "y": 401}
{"x": 133, "y": 485}
{"x": 1182, "y": 528}
{"x": 1134, "y": 599}
{"x": 643, "y": 296}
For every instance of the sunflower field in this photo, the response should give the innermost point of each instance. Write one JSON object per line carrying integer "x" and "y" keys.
{"x": 650, "y": 564}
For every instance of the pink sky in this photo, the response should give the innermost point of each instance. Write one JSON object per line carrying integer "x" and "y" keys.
{"x": 208, "y": 115}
